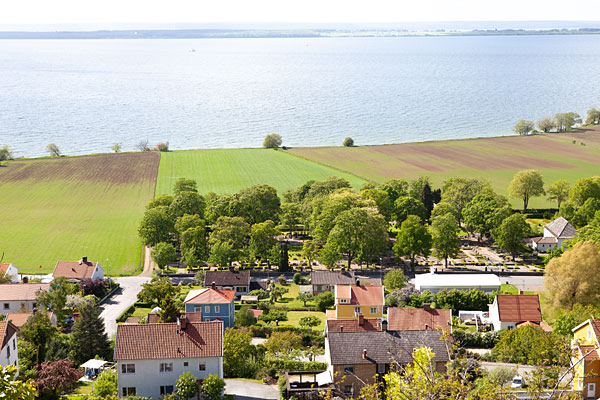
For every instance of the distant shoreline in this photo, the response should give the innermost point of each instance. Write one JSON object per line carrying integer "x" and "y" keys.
{"x": 299, "y": 33}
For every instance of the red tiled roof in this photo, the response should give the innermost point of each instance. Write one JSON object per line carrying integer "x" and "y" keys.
{"x": 7, "y": 330}
{"x": 195, "y": 316}
{"x": 3, "y": 268}
{"x": 589, "y": 353}
{"x": 74, "y": 269}
{"x": 418, "y": 319}
{"x": 596, "y": 326}
{"x": 257, "y": 313}
{"x": 519, "y": 307}
{"x": 21, "y": 291}
{"x": 353, "y": 325}
{"x": 153, "y": 341}
{"x": 361, "y": 295}
{"x": 210, "y": 296}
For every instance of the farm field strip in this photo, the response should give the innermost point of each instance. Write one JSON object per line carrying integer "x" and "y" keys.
{"x": 493, "y": 159}
{"x": 64, "y": 208}
{"x": 229, "y": 170}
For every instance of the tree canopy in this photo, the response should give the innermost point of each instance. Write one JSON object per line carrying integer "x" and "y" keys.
{"x": 525, "y": 185}
{"x": 413, "y": 239}
{"x": 272, "y": 141}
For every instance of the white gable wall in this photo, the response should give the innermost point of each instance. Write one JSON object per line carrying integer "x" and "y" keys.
{"x": 9, "y": 354}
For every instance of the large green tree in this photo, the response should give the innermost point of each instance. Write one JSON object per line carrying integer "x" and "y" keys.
{"x": 358, "y": 232}
{"x": 262, "y": 238}
{"x": 583, "y": 189}
{"x": 272, "y": 141}
{"x": 405, "y": 206}
{"x": 55, "y": 299}
{"x": 510, "y": 234}
{"x": 525, "y": 185}
{"x": 458, "y": 192}
{"x": 39, "y": 332}
{"x": 185, "y": 185}
{"x": 234, "y": 231}
{"x": 89, "y": 339}
{"x": 163, "y": 253}
{"x": 382, "y": 200}
{"x": 237, "y": 350}
{"x": 413, "y": 239}
{"x": 156, "y": 226}
{"x": 523, "y": 127}
{"x": 558, "y": 191}
{"x": 484, "y": 213}
{"x": 256, "y": 204}
{"x": 155, "y": 290}
{"x": 190, "y": 203}
{"x": 444, "y": 235}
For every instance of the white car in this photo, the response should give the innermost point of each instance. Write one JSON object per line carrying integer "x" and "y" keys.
{"x": 517, "y": 382}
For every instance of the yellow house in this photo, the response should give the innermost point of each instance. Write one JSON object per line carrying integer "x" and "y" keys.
{"x": 352, "y": 301}
{"x": 586, "y": 358}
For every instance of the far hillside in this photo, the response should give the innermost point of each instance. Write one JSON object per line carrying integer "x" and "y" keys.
{"x": 227, "y": 171}
{"x": 567, "y": 156}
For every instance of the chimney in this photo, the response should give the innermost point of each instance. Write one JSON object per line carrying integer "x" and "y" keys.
{"x": 84, "y": 259}
{"x": 182, "y": 322}
{"x": 357, "y": 282}
{"x": 384, "y": 325}
{"x": 427, "y": 306}
{"x": 361, "y": 320}
{"x": 213, "y": 285}
{"x": 364, "y": 356}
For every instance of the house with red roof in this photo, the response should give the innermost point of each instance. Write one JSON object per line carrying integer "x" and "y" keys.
{"x": 76, "y": 271}
{"x": 150, "y": 357}
{"x": 214, "y": 303}
{"x": 20, "y": 296}
{"x": 9, "y": 270}
{"x": 351, "y": 301}
{"x": 511, "y": 310}
{"x": 419, "y": 319}
{"x": 9, "y": 354}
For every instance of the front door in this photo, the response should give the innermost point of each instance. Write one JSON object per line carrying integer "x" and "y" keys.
{"x": 591, "y": 390}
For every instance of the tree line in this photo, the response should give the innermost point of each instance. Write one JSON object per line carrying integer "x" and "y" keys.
{"x": 561, "y": 122}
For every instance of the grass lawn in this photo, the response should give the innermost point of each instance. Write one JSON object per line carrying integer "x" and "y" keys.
{"x": 289, "y": 299}
{"x": 294, "y": 319}
{"x": 508, "y": 289}
{"x": 229, "y": 170}
{"x": 64, "y": 208}
{"x": 141, "y": 311}
{"x": 494, "y": 159}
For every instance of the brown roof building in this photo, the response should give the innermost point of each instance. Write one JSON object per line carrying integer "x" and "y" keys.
{"x": 510, "y": 310}
{"x": 325, "y": 281}
{"x": 356, "y": 357}
{"x": 9, "y": 353}
{"x": 19, "y": 319}
{"x": 18, "y": 296}
{"x": 239, "y": 281}
{"x": 359, "y": 324}
{"x": 191, "y": 317}
{"x": 78, "y": 270}
{"x": 419, "y": 319}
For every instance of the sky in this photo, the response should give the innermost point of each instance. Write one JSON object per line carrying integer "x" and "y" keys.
{"x": 48, "y": 12}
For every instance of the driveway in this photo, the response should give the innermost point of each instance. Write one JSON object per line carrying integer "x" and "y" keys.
{"x": 525, "y": 282}
{"x": 248, "y": 390}
{"x": 118, "y": 302}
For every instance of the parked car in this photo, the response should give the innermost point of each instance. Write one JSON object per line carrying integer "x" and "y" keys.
{"x": 517, "y": 382}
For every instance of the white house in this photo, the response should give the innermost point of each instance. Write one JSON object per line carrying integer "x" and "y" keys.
{"x": 436, "y": 282}
{"x": 9, "y": 354}
{"x": 9, "y": 270}
{"x": 510, "y": 310}
{"x": 76, "y": 271}
{"x": 555, "y": 233}
{"x": 150, "y": 357}
{"x": 20, "y": 296}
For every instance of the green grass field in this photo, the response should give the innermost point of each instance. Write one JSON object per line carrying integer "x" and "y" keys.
{"x": 63, "y": 208}
{"x": 493, "y": 159}
{"x": 295, "y": 316}
{"x": 229, "y": 170}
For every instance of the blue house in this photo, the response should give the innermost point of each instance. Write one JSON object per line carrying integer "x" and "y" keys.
{"x": 213, "y": 303}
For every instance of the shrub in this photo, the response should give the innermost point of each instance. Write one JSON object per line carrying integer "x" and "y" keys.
{"x": 297, "y": 278}
{"x": 212, "y": 388}
{"x": 324, "y": 301}
{"x": 272, "y": 141}
{"x": 162, "y": 146}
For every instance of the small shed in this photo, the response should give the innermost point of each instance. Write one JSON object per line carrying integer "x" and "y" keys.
{"x": 92, "y": 368}
{"x": 245, "y": 299}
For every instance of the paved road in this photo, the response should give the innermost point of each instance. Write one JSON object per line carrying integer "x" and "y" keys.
{"x": 123, "y": 298}
{"x": 247, "y": 390}
{"x": 527, "y": 283}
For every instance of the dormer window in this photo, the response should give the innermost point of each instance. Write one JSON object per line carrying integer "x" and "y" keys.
{"x": 344, "y": 301}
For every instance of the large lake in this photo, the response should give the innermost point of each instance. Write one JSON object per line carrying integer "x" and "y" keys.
{"x": 85, "y": 95}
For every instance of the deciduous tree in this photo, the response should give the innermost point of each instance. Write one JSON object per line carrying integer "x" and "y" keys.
{"x": 444, "y": 235}
{"x": 187, "y": 203}
{"x": 163, "y": 253}
{"x": 237, "y": 350}
{"x": 525, "y": 185}
{"x": 348, "y": 142}
{"x": 55, "y": 377}
{"x": 156, "y": 226}
{"x": 546, "y": 124}
{"x": 309, "y": 322}
{"x": 583, "y": 189}
{"x": 458, "y": 192}
{"x": 244, "y": 316}
{"x": 5, "y": 153}
{"x": 413, "y": 239}
{"x": 272, "y": 141}
{"x": 106, "y": 384}
{"x": 155, "y": 290}
{"x": 558, "y": 191}
{"x": 38, "y": 331}
{"x": 212, "y": 388}
{"x": 304, "y": 297}
{"x": 55, "y": 299}
{"x": 15, "y": 389}
{"x": 324, "y": 300}
{"x": 593, "y": 116}
{"x": 186, "y": 386}
{"x": 484, "y": 213}
{"x": 53, "y": 150}
{"x": 394, "y": 280}
{"x": 185, "y": 185}
{"x": 262, "y": 238}
{"x": 405, "y": 206}
{"x": 566, "y": 121}
{"x": 574, "y": 277}
{"x": 116, "y": 147}
{"x": 523, "y": 127}
{"x": 510, "y": 234}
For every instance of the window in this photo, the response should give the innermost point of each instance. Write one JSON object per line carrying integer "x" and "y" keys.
{"x": 356, "y": 310}
{"x": 7, "y": 351}
{"x": 166, "y": 367}
{"x": 240, "y": 289}
{"x": 373, "y": 310}
{"x": 207, "y": 309}
{"x": 128, "y": 368}
{"x": 34, "y": 305}
{"x": 344, "y": 301}
{"x": 129, "y": 391}
{"x": 217, "y": 309}
{"x": 201, "y": 367}
{"x": 14, "y": 344}
{"x": 166, "y": 390}
{"x": 348, "y": 369}
{"x": 197, "y": 308}
{"x": 348, "y": 389}
{"x": 185, "y": 363}
{"x": 6, "y": 306}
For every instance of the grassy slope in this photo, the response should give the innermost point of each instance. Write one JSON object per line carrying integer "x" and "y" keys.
{"x": 61, "y": 209}
{"x": 229, "y": 170}
{"x": 493, "y": 159}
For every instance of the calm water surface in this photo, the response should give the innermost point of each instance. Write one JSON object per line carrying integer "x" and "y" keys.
{"x": 85, "y": 95}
